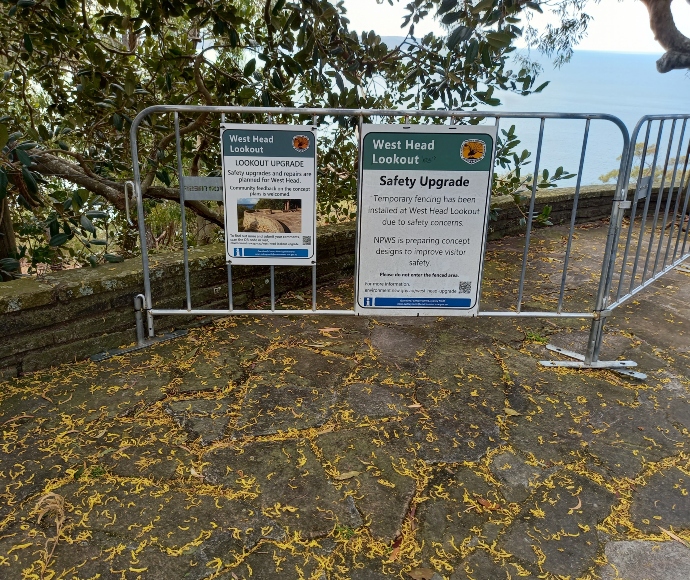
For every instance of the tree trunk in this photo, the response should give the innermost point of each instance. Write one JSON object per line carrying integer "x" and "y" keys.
{"x": 8, "y": 243}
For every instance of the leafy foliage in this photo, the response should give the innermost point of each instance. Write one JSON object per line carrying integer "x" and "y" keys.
{"x": 75, "y": 74}
{"x": 513, "y": 181}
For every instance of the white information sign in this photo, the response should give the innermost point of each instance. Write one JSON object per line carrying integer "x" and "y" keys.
{"x": 269, "y": 190}
{"x": 423, "y": 206}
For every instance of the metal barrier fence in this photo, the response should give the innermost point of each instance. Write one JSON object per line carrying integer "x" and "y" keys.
{"x": 651, "y": 245}
{"x": 611, "y": 270}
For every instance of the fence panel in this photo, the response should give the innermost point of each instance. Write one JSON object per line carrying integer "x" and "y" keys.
{"x": 654, "y": 233}
{"x": 191, "y": 125}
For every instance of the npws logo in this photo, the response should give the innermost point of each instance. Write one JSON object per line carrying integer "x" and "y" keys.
{"x": 300, "y": 143}
{"x": 473, "y": 151}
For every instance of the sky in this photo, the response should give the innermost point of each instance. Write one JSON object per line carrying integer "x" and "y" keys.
{"x": 616, "y": 26}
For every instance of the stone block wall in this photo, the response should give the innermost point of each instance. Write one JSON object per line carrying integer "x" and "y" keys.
{"x": 70, "y": 315}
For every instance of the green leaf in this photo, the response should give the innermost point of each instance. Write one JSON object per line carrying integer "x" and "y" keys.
{"x": 24, "y": 159}
{"x": 9, "y": 264}
{"x": 113, "y": 258}
{"x": 250, "y": 67}
{"x": 277, "y": 81}
{"x": 278, "y": 7}
{"x": 447, "y": 5}
{"x": 460, "y": 34}
{"x": 499, "y": 39}
{"x": 482, "y": 6}
{"x": 86, "y": 224}
{"x": 28, "y": 45}
{"x": 4, "y": 136}
{"x": 58, "y": 239}
{"x": 29, "y": 180}
{"x": 130, "y": 87}
{"x": 94, "y": 214}
{"x": 93, "y": 261}
{"x": 98, "y": 242}
{"x": 44, "y": 133}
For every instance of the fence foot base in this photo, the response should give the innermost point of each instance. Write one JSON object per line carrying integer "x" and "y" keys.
{"x": 620, "y": 366}
{"x": 683, "y": 268}
{"x": 147, "y": 342}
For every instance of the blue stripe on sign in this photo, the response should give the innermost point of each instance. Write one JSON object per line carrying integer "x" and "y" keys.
{"x": 275, "y": 253}
{"x": 424, "y": 302}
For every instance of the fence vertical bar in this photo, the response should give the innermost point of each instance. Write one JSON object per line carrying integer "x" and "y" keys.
{"x": 228, "y": 264}
{"x": 528, "y": 233}
{"x": 313, "y": 288}
{"x": 360, "y": 165}
{"x": 183, "y": 213}
{"x": 573, "y": 216}
{"x": 596, "y": 332}
{"x": 136, "y": 170}
{"x": 139, "y": 320}
{"x": 485, "y": 246}
{"x": 230, "y": 300}
{"x": 672, "y": 185}
{"x": 315, "y": 123}
{"x": 633, "y": 209}
{"x": 687, "y": 227}
{"x": 659, "y": 200}
{"x": 672, "y": 225}
{"x": 646, "y": 207}
{"x": 684, "y": 211}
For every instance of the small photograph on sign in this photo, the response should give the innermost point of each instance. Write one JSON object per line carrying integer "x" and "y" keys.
{"x": 266, "y": 214}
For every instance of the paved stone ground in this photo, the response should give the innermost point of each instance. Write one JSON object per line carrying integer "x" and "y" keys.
{"x": 362, "y": 449}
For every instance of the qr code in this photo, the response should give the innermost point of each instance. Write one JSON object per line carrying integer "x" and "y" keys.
{"x": 465, "y": 287}
{"x": 306, "y": 240}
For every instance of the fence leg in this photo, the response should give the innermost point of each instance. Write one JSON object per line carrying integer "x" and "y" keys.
{"x": 596, "y": 337}
{"x": 590, "y": 360}
{"x": 138, "y": 315}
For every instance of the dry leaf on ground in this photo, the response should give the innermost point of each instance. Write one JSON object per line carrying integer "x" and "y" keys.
{"x": 673, "y": 536}
{"x": 396, "y": 549}
{"x": 487, "y": 504}
{"x": 347, "y": 475}
{"x": 327, "y": 331}
{"x": 421, "y": 574}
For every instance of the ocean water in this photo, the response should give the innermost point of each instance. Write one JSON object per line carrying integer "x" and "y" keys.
{"x": 626, "y": 85}
{"x": 622, "y": 84}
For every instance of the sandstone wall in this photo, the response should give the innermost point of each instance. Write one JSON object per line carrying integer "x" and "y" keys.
{"x": 73, "y": 314}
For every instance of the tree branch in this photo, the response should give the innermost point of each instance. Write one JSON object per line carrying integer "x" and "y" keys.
{"x": 673, "y": 61}
{"x": 676, "y": 44}
{"x": 269, "y": 24}
{"x": 49, "y": 165}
